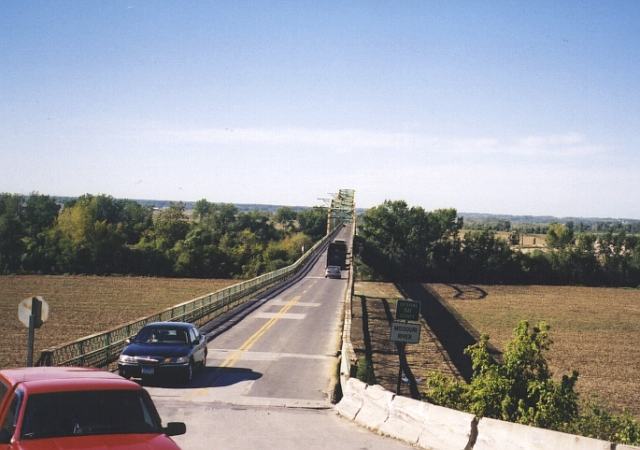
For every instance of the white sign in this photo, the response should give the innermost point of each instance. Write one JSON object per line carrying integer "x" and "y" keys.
{"x": 24, "y": 310}
{"x": 405, "y": 332}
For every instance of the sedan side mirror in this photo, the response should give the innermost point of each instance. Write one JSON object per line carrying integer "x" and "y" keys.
{"x": 175, "y": 429}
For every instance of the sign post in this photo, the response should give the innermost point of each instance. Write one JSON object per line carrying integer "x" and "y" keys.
{"x": 405, "y": 329}
{"x": 32, "y": 312}
{"x": 401, "y": 347}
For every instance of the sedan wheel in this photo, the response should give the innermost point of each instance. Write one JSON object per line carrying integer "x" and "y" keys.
{"x": 204, "y": 360}
{"x": 188, "y": 373}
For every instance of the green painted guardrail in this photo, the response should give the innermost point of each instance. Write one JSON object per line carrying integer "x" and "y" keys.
{"x": 101, "y": 349}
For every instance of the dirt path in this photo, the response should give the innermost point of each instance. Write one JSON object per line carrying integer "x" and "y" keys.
{"x": 373, "y": 309}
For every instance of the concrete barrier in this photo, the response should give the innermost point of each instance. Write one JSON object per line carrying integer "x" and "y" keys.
{"x": 499, "y": 435}
{"x": 429, "y": 426}
{"x": 447, "y": 429}
{"x": 347, "y": 355}
{"x": 406, "y": 419}
{"x": 352, "y": 398}
{"x": 375, "y": 409}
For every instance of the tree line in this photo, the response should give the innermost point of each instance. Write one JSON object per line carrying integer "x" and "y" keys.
{"x": 594, "y": 226}
{"x": 98, "y": 234}
{"x": 408, "y": 243}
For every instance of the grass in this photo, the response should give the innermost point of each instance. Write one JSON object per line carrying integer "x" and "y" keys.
{"x": 82, "y": 305}
{"x": 595, "y": 330}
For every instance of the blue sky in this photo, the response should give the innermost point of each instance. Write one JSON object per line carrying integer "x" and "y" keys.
{"x": 503, "y": 107}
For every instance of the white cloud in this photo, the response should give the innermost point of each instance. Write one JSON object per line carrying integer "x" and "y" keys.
{"x": 554, "y": 139}
{"x": 569, "y": 144}
{"x": 347, "y": 140}
{"x": 296, "y": 136}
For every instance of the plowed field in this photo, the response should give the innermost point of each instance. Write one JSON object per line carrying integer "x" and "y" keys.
{"x": 82, "y": 305}
{"x": 596, "y": 331}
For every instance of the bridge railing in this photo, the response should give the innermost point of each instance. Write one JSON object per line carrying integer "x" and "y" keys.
{"x": 101, "y": 349}
{"x": 347, "y": 354}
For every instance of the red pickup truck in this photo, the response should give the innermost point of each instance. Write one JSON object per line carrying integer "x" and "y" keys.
{"x": 78, "y": 407}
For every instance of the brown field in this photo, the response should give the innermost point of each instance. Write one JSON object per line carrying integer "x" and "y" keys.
{"x": 596, "y": 331}
{"x": 528, "y": 242}
{"x": 82, "y": 305}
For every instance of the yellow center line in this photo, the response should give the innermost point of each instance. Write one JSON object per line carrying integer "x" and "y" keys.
{"x": 237, "y": 354}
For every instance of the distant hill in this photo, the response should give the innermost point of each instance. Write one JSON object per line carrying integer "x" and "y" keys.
{"x": 160, "y": 204}
{"x": 543, "y": 220}
{"x": 469, "y": 217}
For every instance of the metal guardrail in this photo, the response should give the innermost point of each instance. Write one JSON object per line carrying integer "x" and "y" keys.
{"x": 101, "y": 349}
{"x": 347, "y": 354}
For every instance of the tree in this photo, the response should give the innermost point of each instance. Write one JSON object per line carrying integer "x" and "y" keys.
{"x": 170, "y": 226}
{"x": 90, "y": 236}
{"x": 259, "y": 224}
{"x": 503, "y": 225}
{"x": 40, "y": 213}
{"x": 198, "y": 255}
{"x": 286, "y": 217}
{"x": 487, "y": 258}
{"x": 313, "y": 222}
{"x": 407, "y": 243}
{"x": 220, "y": 217}
{"x": 559, "y": 236}
{"x": 38, "y": 217}
{"x": 11, "y": 232}
{"x": 202, "y": 209}
{"x": 285, "y": 252}
{"x": 386, "y": 228}
{"x": 135, "y": 219}
{"x": 514, "y": 237}
{"x": 248, "y": 253}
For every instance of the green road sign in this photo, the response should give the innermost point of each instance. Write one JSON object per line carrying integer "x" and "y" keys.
{"x": 408, "y": 310}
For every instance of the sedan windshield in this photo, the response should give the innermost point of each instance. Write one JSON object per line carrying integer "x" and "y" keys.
{"x": 163, "y": 335}
{"x": 91, "y": 412}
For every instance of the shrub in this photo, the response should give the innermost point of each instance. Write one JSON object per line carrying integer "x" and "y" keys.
{"x": 521, "y": 389}
{"x": 594, "y": 421}
{"x": 364, "y": 371}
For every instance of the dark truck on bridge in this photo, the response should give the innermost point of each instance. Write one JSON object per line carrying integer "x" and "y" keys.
{"x": 337, "y": 254}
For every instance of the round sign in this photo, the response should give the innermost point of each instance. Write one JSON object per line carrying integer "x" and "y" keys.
{"x": 24, "y": 310}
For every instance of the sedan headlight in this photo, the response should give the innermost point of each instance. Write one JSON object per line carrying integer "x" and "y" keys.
{"x": 127, "y": 359}
{"x": 177, "y": 360}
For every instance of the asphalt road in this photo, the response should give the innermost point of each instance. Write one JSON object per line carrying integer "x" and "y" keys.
{"x": 268, "y": 378}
